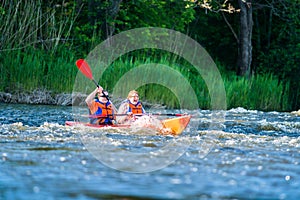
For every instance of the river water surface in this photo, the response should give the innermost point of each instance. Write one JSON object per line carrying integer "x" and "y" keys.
{"x": 252, "y": 155}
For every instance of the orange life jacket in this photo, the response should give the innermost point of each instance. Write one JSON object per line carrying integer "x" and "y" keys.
{"x": 105, "y": 109}
{"x": 135, "y": 109}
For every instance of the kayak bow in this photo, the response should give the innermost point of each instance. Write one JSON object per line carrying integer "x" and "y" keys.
{"x": 177, "y": 124}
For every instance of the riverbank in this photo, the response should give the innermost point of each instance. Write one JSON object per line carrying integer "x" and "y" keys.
{"x": 42, "y": 97}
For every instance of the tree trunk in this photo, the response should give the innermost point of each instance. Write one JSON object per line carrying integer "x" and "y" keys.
{"x": 91, "y": 18}
{"x": 112, "y": 12}
{"x": 245, "y": 44}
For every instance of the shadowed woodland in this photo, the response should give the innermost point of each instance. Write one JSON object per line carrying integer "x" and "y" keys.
{"x": 255, "y": 45}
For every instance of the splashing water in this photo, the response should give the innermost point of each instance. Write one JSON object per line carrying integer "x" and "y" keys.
{"x": 256, "y": 155}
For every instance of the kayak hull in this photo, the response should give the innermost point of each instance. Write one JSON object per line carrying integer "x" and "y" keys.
{"x": 177, "y": 124}
{"x": 174, "y": 126}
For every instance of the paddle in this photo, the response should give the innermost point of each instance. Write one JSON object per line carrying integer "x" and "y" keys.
{"x": 162, "y": 114}
{"x": 85, "y": 69}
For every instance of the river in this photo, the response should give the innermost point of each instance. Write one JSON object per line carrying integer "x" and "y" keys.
{"x": 251, "y": 155}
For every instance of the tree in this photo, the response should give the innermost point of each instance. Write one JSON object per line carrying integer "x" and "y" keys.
{"x": 245, "y": 38}
{"x": 35, "y": 23}
{"x": 278, "y": 42}
{"x": 172, "y": 14}
{"x": 112, "y": 12}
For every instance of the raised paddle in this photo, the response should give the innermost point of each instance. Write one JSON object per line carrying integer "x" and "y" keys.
{"x": 85, "y": 69}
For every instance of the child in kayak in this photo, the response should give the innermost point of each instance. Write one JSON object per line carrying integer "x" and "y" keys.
{"x": 135, "y": 114}
{"x": 100, "y": 108}
{"x": 130, "y": 106}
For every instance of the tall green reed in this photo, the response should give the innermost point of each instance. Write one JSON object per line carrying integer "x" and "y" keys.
{"x": 56, "y": 71}
{"x": 37, "y": 69}
{"x": 263, "y": 92}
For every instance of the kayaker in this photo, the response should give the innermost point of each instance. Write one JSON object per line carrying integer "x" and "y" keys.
{"x": 130, "y": 106}
{"x": 100, "y": 108}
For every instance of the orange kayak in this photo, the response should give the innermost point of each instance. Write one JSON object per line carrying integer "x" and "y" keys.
{"x": 174, "y": 126}
{"x": 177, "y": 124}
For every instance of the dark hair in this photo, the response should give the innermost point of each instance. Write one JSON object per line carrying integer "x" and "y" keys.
{"x": 102, "y": 94}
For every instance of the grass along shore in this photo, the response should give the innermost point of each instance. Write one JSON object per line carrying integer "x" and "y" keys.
{"x": 34, "y": 74}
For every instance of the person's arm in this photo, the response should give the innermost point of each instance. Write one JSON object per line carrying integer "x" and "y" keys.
{"x": 89, "y": 99}
{"x": 122, "y": 110}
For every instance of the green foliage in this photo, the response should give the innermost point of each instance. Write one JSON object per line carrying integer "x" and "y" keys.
{"x": 90, "y": 25}
{"x": 281, "y": 54}
{"x": 56, "y": 72}
{"x": 208, "y": 28}
{"x": 35, "y": 23}
{"x": 171, "y": 14}
{"x": 156, "y": 93}
{"x": 41, "y": 40}
{"x": 37, "y": 69}
{"x": 262, "y": 92}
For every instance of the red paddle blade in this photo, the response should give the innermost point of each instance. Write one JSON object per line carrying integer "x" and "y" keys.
{"x": 84, "y": 67}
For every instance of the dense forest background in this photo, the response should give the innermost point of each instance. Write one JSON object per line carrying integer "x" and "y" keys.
{"x": 255, "y": 44}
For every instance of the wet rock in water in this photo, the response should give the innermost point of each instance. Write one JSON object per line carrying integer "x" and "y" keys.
{"x": 5, "y": 97}
{"x": 41, "y": 97}
{"x": 64, "y": 99}
{"x": 78, "y": 99}
{"x": 34, "y": 97}
{"x": 46, "y": 97}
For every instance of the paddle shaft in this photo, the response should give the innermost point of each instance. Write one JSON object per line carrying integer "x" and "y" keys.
{"x": 161, "y": 114}
{"x": 98, "y": 86}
